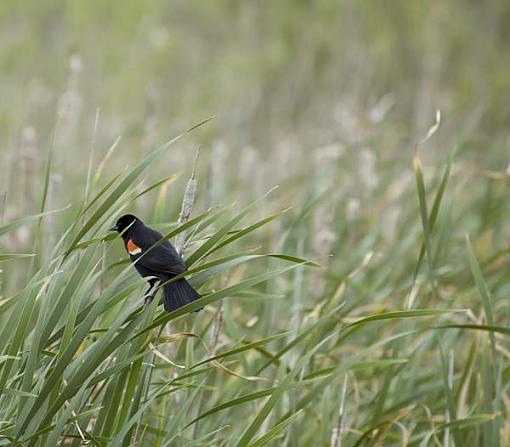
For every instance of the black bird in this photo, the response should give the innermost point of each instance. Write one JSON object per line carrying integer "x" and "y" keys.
{"x": 161, "y": 261}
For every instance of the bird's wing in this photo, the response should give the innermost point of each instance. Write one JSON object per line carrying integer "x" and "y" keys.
{"x": 161, "y": 259}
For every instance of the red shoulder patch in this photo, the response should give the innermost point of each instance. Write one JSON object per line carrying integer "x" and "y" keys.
{"x": 132, "y": 248}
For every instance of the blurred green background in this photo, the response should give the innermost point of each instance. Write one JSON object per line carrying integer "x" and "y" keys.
{"x": 283, "y": 79}
{"x": 327, "y": 99}
{"x": 287, "y": 73}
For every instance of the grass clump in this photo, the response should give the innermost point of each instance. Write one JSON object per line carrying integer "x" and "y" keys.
{"x": 84, "y": 362}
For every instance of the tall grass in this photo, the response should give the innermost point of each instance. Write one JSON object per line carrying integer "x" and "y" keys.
{"x": 389, "y": 351}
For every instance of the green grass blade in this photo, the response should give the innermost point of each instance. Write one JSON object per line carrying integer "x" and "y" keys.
{"x": 435, "y": 209}
{"x": 469, "y": 421}
{"x": 422, "y": 196}
{"x": 26, "y": 220}
{"x": 283, "y": 386}
{"x": 208, "y": 245}
{"x": 275, "y": 431}
{"x": 11, "y": 256}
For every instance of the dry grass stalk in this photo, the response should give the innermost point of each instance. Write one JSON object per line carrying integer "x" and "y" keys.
{"x": 446, "y": 434}
{"x": 336, "y": 435}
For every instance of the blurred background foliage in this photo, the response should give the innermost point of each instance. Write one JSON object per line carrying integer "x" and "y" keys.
{"x": 269, "y": 71}
{"x": 282, "y": 78}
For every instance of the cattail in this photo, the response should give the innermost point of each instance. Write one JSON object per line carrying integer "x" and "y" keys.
{"x": 68, "y": 113}
{"x": 28, "y": 155}
{"x": 379, "y": 111}
{"x": 350, "y": 127}
{"x": 367, "y": 170}
{"x": 150, "y": 124}
{"x": 187, "y": 206}
{"x": 69, "y": 104}
{"x": 285, "y": 154}
{"x": 248, "y": 158}
{"x": 352, "y": 209}
{"x": 323, "y": 235}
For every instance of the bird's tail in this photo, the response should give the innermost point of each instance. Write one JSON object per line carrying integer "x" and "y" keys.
{"x": 177, "y": 294}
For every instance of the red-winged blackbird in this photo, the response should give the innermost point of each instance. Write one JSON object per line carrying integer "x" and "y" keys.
{"x": 161, "y": 261}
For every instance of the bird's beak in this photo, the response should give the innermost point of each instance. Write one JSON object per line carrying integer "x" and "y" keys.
{"x": 114, "y": 228}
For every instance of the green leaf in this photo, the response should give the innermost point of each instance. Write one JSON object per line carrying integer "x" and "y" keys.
{"x": 435, "y": 208}
{"x": 404, "y": 314}
{"x": 275, "y": 431}
{"x": 26, "y": 220}
{"x": 277, "y": 394}
{"x": 476, "y": 327}
{"x": 208, "y": 245}
{"x": 422, "y": 196}
{"x": 240, "y": 233}
{"x": 243, "y": 348}
{"x": 469, "y": 421}
{"x": 10, "y": 256}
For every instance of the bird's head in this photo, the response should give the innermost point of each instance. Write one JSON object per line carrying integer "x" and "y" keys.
{"x": 125, "y": 222}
